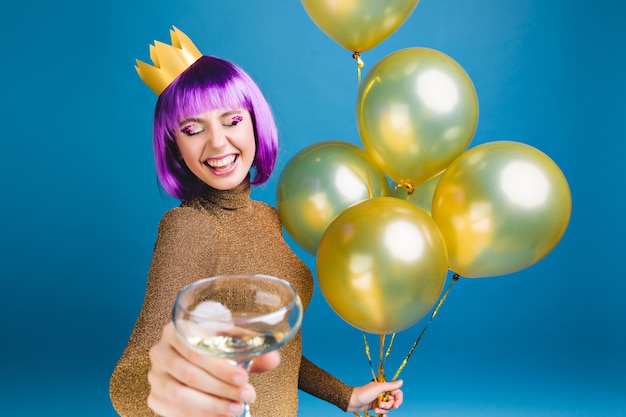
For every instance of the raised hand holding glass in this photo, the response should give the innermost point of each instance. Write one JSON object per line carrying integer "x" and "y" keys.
{"x": 237, "y": 317}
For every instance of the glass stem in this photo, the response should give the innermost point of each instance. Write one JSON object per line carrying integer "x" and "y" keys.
{"x": 245, "y": 364}
{"x": 246, "y": 411}
{"x": 246, "y": 407}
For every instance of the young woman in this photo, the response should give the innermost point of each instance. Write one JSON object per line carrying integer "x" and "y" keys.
{"x": 215, "y": 136}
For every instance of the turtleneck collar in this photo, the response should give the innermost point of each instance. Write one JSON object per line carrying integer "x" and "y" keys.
{"x": 236, "y": 198}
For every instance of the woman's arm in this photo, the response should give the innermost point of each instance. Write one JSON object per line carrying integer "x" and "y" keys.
{"x": 325, "y": 386}
{"x": 321, "y": 384}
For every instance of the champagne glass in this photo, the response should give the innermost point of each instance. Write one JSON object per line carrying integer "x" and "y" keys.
{"x": 237, "y": 317}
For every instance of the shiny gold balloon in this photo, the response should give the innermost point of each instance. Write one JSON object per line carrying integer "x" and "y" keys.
{"x": 359, "y": 25}
{"x": 382, "y": 264}
{"x": 319, "y": 182}
{"x": 421, "y": 196}
{"x": 501, "y": 207}
{"x": 417, "y": 110}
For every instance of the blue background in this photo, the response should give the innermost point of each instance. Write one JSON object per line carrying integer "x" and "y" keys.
{"x": 80, "y": 202}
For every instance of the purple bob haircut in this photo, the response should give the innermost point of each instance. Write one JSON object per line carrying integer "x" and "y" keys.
{"x": 209, "y": 83}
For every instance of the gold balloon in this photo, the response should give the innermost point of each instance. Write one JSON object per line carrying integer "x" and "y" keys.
{"x": 359, "y": 25}
{"x": 319, "y": 182}
{"x": 501, "y": 207}
{"x": 417, "y": 110}
{"x": 421, "y": 196}
{"x": 382, "y": 264}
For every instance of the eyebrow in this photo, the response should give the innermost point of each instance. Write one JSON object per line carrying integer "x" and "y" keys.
{"x": 202, "y": 120}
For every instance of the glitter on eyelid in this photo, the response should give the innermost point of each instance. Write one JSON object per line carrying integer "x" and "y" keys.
{"x": 237, "y": 118}
{"x": 191, "y": 129}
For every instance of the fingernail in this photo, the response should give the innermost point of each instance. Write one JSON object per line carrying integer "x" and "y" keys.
{"x": 239, "y": 379}
{"x": 236, "y": 408}
{"x": 248, "y": 395}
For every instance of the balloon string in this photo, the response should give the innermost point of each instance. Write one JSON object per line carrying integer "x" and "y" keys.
{"x": 369, "y": 358}
{"x": 393, "y": 338}
{"x": 455, "y": 278}
{"x": 381, "y": 367}
{"x": 359, "y": 65}
{"x": 383, "y": 396}
{"x": 409, "y": 188}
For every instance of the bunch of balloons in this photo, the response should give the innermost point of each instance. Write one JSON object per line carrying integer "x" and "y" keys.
{"x": 382, "y": 258}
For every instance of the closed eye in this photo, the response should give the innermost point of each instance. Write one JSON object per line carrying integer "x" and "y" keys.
{"x": 234, "y": 120}
{"x": 192, "y": 129}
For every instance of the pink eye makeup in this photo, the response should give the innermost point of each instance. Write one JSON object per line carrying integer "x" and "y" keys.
{"x": 235, "y": 119}
{"x": 195, "y": 125}
{"x": 192, "y": 129}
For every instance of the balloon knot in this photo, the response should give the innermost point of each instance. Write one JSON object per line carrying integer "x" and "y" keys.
{"x": 359, "y": 62}
{"x": 409, "y": 188}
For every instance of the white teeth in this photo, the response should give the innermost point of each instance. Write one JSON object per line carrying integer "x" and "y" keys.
{"x": 221, "y": 163}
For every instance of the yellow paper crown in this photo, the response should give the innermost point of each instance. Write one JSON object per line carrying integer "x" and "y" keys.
{"x": 169, "y": 61}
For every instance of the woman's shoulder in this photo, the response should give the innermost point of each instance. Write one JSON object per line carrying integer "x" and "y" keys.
{"x": 188, "y": 225}
{"x": 261, "y": 205}
{"x": 264, "y": 208}
{"x": 183, "y": 218}
{"x": 181, "y": 213}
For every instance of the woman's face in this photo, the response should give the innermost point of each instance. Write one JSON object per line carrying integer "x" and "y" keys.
{"x": 218, "y": 146}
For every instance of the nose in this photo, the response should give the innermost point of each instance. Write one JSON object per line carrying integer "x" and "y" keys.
{"x": 216, "y": 139}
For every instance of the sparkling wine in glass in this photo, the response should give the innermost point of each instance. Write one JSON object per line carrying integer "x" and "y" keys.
{"x": 237, "y": 317}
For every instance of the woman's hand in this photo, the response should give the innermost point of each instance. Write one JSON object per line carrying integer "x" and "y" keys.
{"x": 187, "y": 383}
{"x": 365, "y": 397}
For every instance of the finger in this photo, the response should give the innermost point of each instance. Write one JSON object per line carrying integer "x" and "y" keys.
{"x": 387, "y": 404}
{"x": 219, "y": 369}
{"x": 266, "y": 362}
{"x": 175, "y": 400}
{"x": 206, "y": 382}
{"x": 394, "y": 385}
{"x": 398, "y": 396}
{"x": 174, "y": 365}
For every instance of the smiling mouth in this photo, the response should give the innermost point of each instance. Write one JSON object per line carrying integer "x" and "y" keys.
{"x": 221, "y": 163}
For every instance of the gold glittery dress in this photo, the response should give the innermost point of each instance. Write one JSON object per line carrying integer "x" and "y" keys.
{"x": 221, "y": 232}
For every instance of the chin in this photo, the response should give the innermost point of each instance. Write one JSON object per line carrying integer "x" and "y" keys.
{"x": 227, "y": 183}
